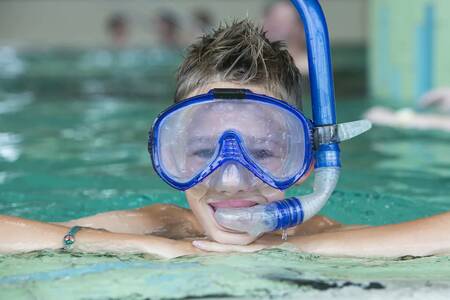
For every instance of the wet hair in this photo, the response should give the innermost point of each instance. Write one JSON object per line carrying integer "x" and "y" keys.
{"x": 240, "y": 53}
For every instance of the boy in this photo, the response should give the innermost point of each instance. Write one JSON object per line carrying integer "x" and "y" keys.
{"x": 235, "y": 56}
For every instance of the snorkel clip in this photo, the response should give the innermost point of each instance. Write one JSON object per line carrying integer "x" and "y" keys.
{"x": 331, "y": 134}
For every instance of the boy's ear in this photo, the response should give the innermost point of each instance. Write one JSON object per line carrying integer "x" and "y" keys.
{"x": 311, "y": 168}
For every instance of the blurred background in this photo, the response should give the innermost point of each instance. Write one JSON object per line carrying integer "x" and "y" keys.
{"x": 70, "y": 47}
{"x": 73, "y": 47}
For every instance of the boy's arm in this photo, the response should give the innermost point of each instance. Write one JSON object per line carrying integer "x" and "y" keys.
{"x": 315, "y": 225}
{"x": 319, "y": 224}
{"x": 428, "y": 236}
{"x": 421, "y": 237}
{"x": 21, "y": 235}
{"x": 158, "y": 219}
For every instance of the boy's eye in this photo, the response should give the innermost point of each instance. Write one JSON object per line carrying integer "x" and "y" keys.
{"x": 204, "y": 153}
{"x": 261, "y": 154}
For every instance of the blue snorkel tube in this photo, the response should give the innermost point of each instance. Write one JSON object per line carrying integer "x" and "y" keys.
{"x": 293, "y": 211}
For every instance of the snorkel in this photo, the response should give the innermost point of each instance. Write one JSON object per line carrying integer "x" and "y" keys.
{"x": 327, "y": 134}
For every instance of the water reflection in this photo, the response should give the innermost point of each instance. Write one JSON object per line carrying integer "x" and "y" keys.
{"x": 9, "y": 146}
{"x": 12, "y": 103}
{"x": 10, "y": 64}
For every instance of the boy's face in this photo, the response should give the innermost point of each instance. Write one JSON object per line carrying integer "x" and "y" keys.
{"x": 231, "y": 185}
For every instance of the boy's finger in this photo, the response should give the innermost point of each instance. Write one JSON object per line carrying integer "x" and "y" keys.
{"x": 210, "y": 246}
{"x": 217, "y": 247}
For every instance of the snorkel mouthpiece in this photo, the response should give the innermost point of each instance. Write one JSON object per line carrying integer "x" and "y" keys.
{"x": 281, "y": 214}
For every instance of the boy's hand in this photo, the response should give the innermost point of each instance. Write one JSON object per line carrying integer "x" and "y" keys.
{"x": 167, "y": 248}
{"x": 223, "y": 248}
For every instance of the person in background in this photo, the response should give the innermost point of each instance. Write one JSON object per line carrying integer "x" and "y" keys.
{"x": 281, "y": 23}
{"x": 118, "y": 30}
{"x": 438, "y": 98}
{"x": 202, "y": 22}
{"x": 167, "y": 29}
{"x": 433, "y": 113}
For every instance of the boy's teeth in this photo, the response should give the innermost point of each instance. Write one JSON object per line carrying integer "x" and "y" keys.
{"x": 232, "y": 203}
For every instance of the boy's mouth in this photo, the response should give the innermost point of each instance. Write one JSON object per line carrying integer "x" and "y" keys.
{"x": 232, "y": 203}
{"x": 216, "y": 201}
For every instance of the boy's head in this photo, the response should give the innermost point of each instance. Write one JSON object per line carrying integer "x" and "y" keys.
{"x": 240, "y": 54}
{"x": 235, "y": 56}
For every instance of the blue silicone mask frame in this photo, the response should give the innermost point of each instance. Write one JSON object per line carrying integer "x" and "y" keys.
{"x": 230, "y": 144}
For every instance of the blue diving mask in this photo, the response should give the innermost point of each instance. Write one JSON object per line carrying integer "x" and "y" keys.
{"x": 269, "y": 137}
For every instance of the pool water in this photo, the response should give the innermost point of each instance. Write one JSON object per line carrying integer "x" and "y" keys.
{"x": 64, "y": 157}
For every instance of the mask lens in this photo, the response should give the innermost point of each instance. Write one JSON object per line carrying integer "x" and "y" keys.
{"x": 273, "y": 138}
{"x": 184, "y": 153}
{"x": 280, "y": 149}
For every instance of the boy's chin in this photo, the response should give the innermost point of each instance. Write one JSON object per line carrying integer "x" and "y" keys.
{"x": 225, "y": 237}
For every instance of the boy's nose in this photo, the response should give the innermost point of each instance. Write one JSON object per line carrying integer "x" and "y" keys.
{"x": 231, "y": 178}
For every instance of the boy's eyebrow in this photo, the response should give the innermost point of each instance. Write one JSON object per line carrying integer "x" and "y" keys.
{"x": 202, "y": 139}
{"x": 266, "y": 139}
{"x": 213, "y": 140}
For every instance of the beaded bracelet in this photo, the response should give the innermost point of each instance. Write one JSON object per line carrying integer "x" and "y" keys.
{"x": 69, "y": 238}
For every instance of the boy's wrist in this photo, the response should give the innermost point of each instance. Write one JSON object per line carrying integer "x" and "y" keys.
{"x": 98, "y": 241}
{"x": 165, "y": 248}
{"x": 101, "y": 241}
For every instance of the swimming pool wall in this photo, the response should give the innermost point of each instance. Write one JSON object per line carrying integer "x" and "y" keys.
{"x": 409, "y": 45}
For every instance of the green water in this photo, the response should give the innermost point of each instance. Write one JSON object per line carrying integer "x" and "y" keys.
{"x": 64, "y": 157}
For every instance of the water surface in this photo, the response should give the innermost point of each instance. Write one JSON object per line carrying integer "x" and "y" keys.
{"x": 64, "y": 157}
